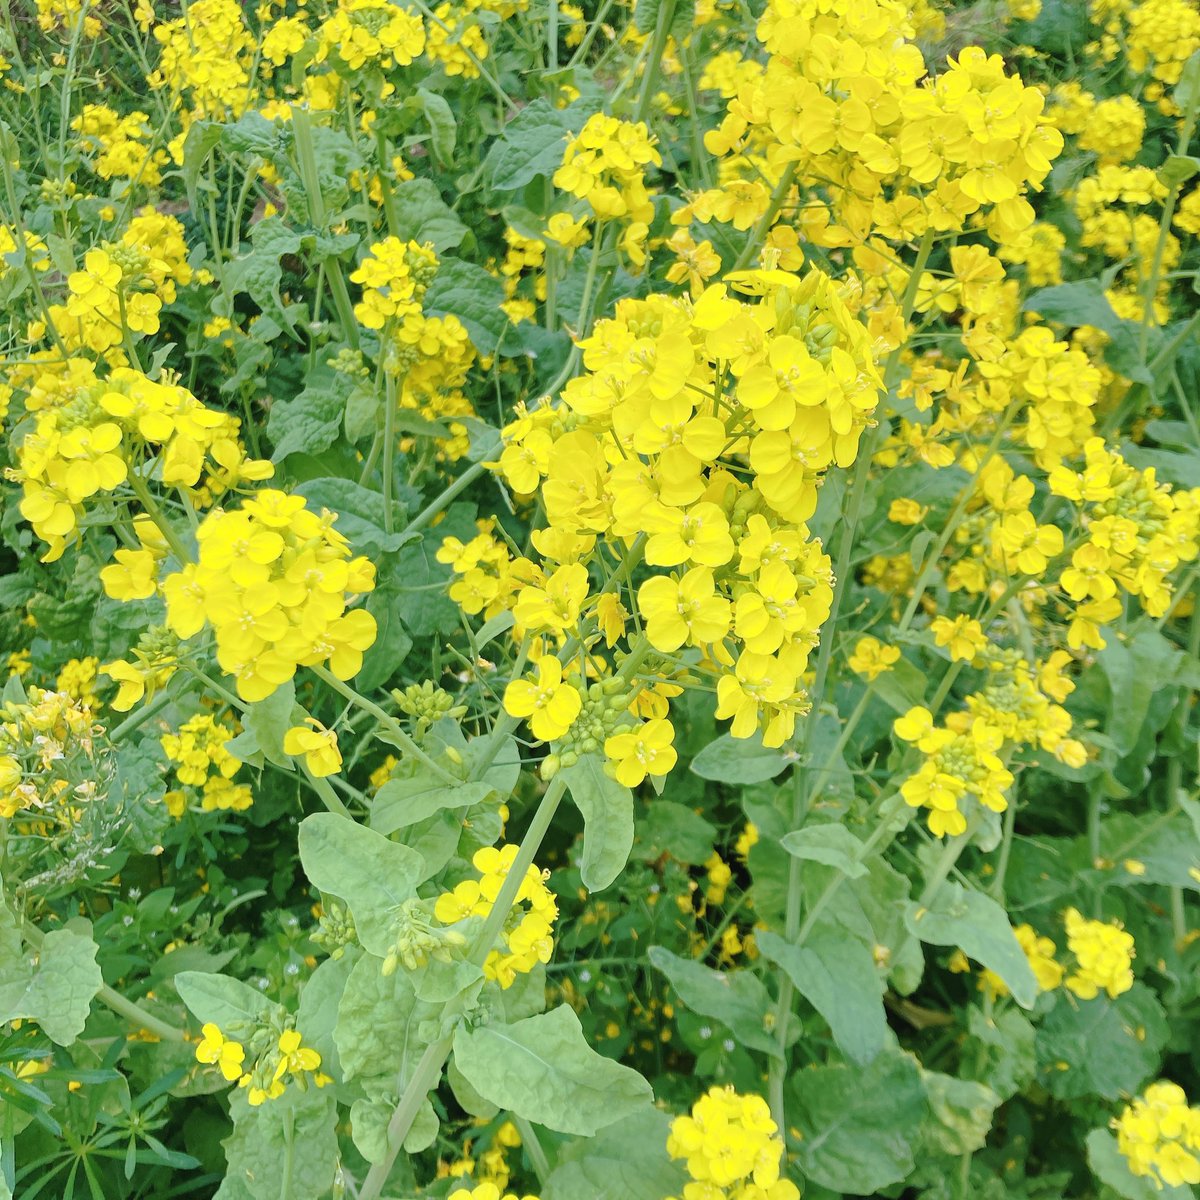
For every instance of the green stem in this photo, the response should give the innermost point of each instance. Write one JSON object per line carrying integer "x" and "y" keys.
{"x": 395, "y": 730}
{"x": 951, "y": 852}
{"x": 533, "y": 1148}
{"x": 464, "y": 481}
{"x": 429, "y": 1070}
{"x": 662, "y": 31}
{"x": 389, "y": 449}
{"x": 142, "y": 492}
{"x": 763, "y": 225}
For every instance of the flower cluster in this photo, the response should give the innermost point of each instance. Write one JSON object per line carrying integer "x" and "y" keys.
{"x": 732, "y": 1149}
{"x": 1159, "y": 1135}
{"x": 605, "y": 164}
{"x": 527, "y": 938}
{"x": 202, "y": 761}
{"x": 278, "y": 1058}
{"x": 1103, "y": 956}
{"x": 274, "y": 580}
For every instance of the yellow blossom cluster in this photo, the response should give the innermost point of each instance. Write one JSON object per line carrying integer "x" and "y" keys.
{"x": 732, "y": 1149}
{"x": 281, "y": 1059}
{"x": 274, "y": 580}
{"x": 40, "y": 740}
{"x": 528, "y": 938}
{"x": 1103, "y": 956}
{"x": 202, "y": 761}
{"x": 1159, "y": 1135}
{"x": 91, "y": 434}
{"x": 358, "y": 33}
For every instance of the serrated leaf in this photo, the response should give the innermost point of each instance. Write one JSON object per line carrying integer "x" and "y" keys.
{"x": 542, "y": 1069}
{"x": 831, "y": 844}
{"x": 979, "y": 927}
{"x": 312, "y": 421}
{"x": 259, "y": 272}
{"x": 837, "y": 975}
{"x": 372, "y": 875}
{"x": 533, "y": 143}
{"x": 607, "y": 808}
{"x": 737, "y": 999}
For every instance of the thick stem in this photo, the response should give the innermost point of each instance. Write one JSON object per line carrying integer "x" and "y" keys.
{"x": 662, "y": 30}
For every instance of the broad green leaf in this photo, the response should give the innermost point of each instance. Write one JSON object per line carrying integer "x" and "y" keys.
{"x": 681, "y": 15}
{"x": 259, "y": 272}
{"x": 233, "y": 1006}
{"x": 1101, "y": 1047}
{"x": 533, "y": 143}
{"x": 198, "y": 144}
{"x": 626, "y": 1161}
{"x": 1177, "y": 169}
{"x": 474, "y": 297}
{"x": 1147, "y": 848}
{"x": 423, "y": 216}
{"x": 443, "y": 132}
{"x": 320, "y": 1001}
{"x": 738, "y": 761}
{"x": 372, "y": 875}
{"x": 1111, "y": 1168}
{"x": 1000, "y": 1050}
{"x": 264, "y": 724}
{"x": 837, "y": 975}
{"x": 979, "y": 927}
{"x": 1187, "y": 90}
{"x": 858, "y": 1127}
{"x": 960, "y": 1112}
{"x": 542, "y": 1069}
{"x": 1081, "y": 302}
{"x": 403, "y": 802}
{"x": 386, "y": 655}
{"x": 360, "y": 514}
{"x": 58, "y": 991}
{"x": 674, "y": 829}
{"x": 369, "y": 1118}
{"x": 607, "y": 808}
{"x": 287, "y": 1147}
{"x": 831, "y": 844}
{"x": 378, "y": 1022}
{"x": 737, "y": 999}
{"x": 312, "y": 421}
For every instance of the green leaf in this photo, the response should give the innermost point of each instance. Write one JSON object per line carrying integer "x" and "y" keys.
{"x": 312, "y": 421}
{"x": 858, "y": 1126}
{"x": 626, "y": 1161}
{"x": 403, "y": 802}
{"x": 1187, "y": 90}
{"x": 738, "y": 761}
{"x": 230, "y": 1004}
{"x": 378, "y": 1022}
{"x": 675, "y": 829}
{"x": 290, "y": 1141}
{"x": 607, "y": 808}
{"x": 837, "y": 975}
{"x": 474, "y": 297}
{"x": 1111, "y": 1167}
{"x": 831, "y": 844}
{"x": 443, "y": 132}
{"x": 320, "y": 1000}
{"x": 1177, "y": 169}
{"x": 58, "y": 991}
{"x": 263, "y": 725}
{"x": 542, "y": 1069}
{"x": 1082, "y": 302}
{"x": 960, "y": 1113}
{"x": 423, "y": 216}
{"x": 360, "y": 514}
{"x": 737, "y": 999}
{"x": 1000, "y": 1050}
{"x": 369, "y": 1119}
{"x": 386, "y": 655}
{"x": 647, "y": 14}
{"x": 202, "y": 137}
{"x": 1101, "y": 1047}
{"x": 260, "y": 273}
{"x": 533, "y": 143}
{"x": 372, "y": 875}
{"x": 978, "y": 926}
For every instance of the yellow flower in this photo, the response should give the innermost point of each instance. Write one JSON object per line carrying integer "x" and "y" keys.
{"x": 550, "y": 703}
{"x": 647, "y": 750}
{"x": 216, "y": 1049}
{"x": 964, "y": 637}
{"x": 871, "y": 658}
{"x": 318, "y": 745}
